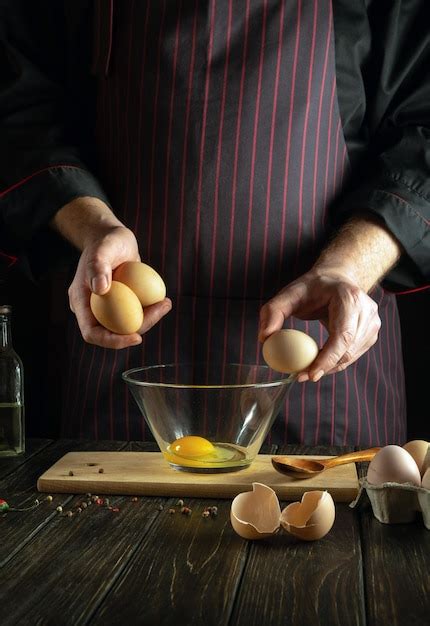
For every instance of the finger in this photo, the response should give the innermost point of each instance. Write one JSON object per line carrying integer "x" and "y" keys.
{"x": 100, "y": 336}
{"x": 154, "y": 313}
{"x": 365, "y": 340}
{"x": 98, "y": 273}
{"x": 343, "y": 324}
{"x": 278, "y": 309}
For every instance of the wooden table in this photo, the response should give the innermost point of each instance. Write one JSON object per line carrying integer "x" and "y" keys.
{"x": 141, "y": 565}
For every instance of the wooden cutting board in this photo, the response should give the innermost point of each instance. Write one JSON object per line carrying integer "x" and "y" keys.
{"x": 147, "y": 473}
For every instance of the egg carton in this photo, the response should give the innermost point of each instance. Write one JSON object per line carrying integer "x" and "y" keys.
{"x": 394, "y": 503}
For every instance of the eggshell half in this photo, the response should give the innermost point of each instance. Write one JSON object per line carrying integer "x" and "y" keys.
{"x": 310, "y": 519}
{"x": 418, "y": 450}
{"x": 255, "y": 514}
{"x": 146, "y": 283}
{"x": 119, "y": 310}
{"x": 289, "y": 351}
{"x": 393, "y": 464}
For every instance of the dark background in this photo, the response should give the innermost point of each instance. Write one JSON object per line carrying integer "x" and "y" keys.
{"x": 39, "y": 312}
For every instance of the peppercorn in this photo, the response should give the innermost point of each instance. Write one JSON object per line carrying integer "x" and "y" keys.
{"x": 172, "y": 511}
{"x": 59, "y": 509}
{"x": 49, "y": 498}
{"x": 70, "y": 473}
{"x": 134, "y": 499}
{"x": 101, "y": 470}
{"x": 205, "y": 514}
{"x": 69, "y": 513}
{"x": 180, "y": 503}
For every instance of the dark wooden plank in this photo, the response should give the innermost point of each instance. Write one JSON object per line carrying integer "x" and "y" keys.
{"x": 186, "y": 571}
{"x": 71, "y": 562}
{"x": 19, "y": 489}
{"x": 32, "y": 447}
{"x": 289, "y": 582}
{"x": 397, "y": 579}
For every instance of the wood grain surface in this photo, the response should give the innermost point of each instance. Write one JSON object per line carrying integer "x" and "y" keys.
{"x": 147, "y": 473}
{"x": 140, "y": 564}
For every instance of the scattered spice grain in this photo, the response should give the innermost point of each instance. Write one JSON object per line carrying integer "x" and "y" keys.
{"x": 71, "y": 473}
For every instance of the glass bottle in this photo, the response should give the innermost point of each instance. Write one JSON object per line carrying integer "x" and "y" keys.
{"x": 12, "y": 422}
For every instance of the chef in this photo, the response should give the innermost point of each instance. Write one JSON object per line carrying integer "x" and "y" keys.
{"x": 269, "y": 158}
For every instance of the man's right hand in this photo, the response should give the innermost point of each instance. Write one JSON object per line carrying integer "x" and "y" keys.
{"x": 105, "y": 243}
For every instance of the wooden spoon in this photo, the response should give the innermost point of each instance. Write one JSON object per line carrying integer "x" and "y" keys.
{"x": 306, "y": 468}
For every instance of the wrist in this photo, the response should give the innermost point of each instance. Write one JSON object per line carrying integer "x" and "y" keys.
{"x": 84, "y": 221}
{"x": 338, "y": 271}
{"x": 362, "y": 252}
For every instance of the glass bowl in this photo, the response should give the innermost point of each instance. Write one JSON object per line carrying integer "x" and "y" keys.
{"x": 207, "y": 418}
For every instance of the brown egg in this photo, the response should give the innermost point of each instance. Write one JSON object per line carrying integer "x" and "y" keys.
{"x": 310, "y": 519}
{"x": 119, "y": 310}
{"x": 146, "y": 283}
{"x": 289, "y": 351}
{"x": 426, "y": 480}
{"x": 393, "y": 464}
{"x": 418, "y": 450}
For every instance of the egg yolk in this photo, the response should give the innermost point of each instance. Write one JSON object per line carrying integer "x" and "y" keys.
{"x": 192, "y": 446}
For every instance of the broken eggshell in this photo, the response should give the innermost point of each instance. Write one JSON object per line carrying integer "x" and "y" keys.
{"x": 310, "y": 519}
{"x": 257, "y": 515}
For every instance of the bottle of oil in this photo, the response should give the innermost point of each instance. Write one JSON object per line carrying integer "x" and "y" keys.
{"x": 11, "y": 391}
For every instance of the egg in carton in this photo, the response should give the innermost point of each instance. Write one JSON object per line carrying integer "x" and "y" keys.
{"x": 398, "y": 483}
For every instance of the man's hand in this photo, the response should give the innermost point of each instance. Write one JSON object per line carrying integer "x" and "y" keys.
{"x": 334, "y": 291}
{"x": 349, "y": 314}
{"x": 94, "y": 273}
{"x": 105, "y": 243}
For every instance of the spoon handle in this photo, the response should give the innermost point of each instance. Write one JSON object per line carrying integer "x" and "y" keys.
{"x": 360, "y": 455}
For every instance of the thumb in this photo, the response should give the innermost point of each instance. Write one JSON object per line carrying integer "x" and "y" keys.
{"x": 271, "y": 319}
{"x": 99, "y": 270}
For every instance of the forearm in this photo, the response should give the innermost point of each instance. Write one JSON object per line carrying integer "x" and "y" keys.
{"x": 84, "y": 220}
{"x": 363, "y": 251}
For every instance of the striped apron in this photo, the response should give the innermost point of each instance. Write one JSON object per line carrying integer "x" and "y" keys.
{"x": 220, "y": 145}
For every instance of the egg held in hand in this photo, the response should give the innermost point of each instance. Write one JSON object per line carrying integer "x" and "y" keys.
{"x": 289, "y": 351}
{"x": 118, "y": 310}
{"x": 146, "y": 283}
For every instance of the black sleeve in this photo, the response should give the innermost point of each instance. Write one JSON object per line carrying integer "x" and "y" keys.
{"x": 392, "y": 182}
{"x": 42, "y": 168}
